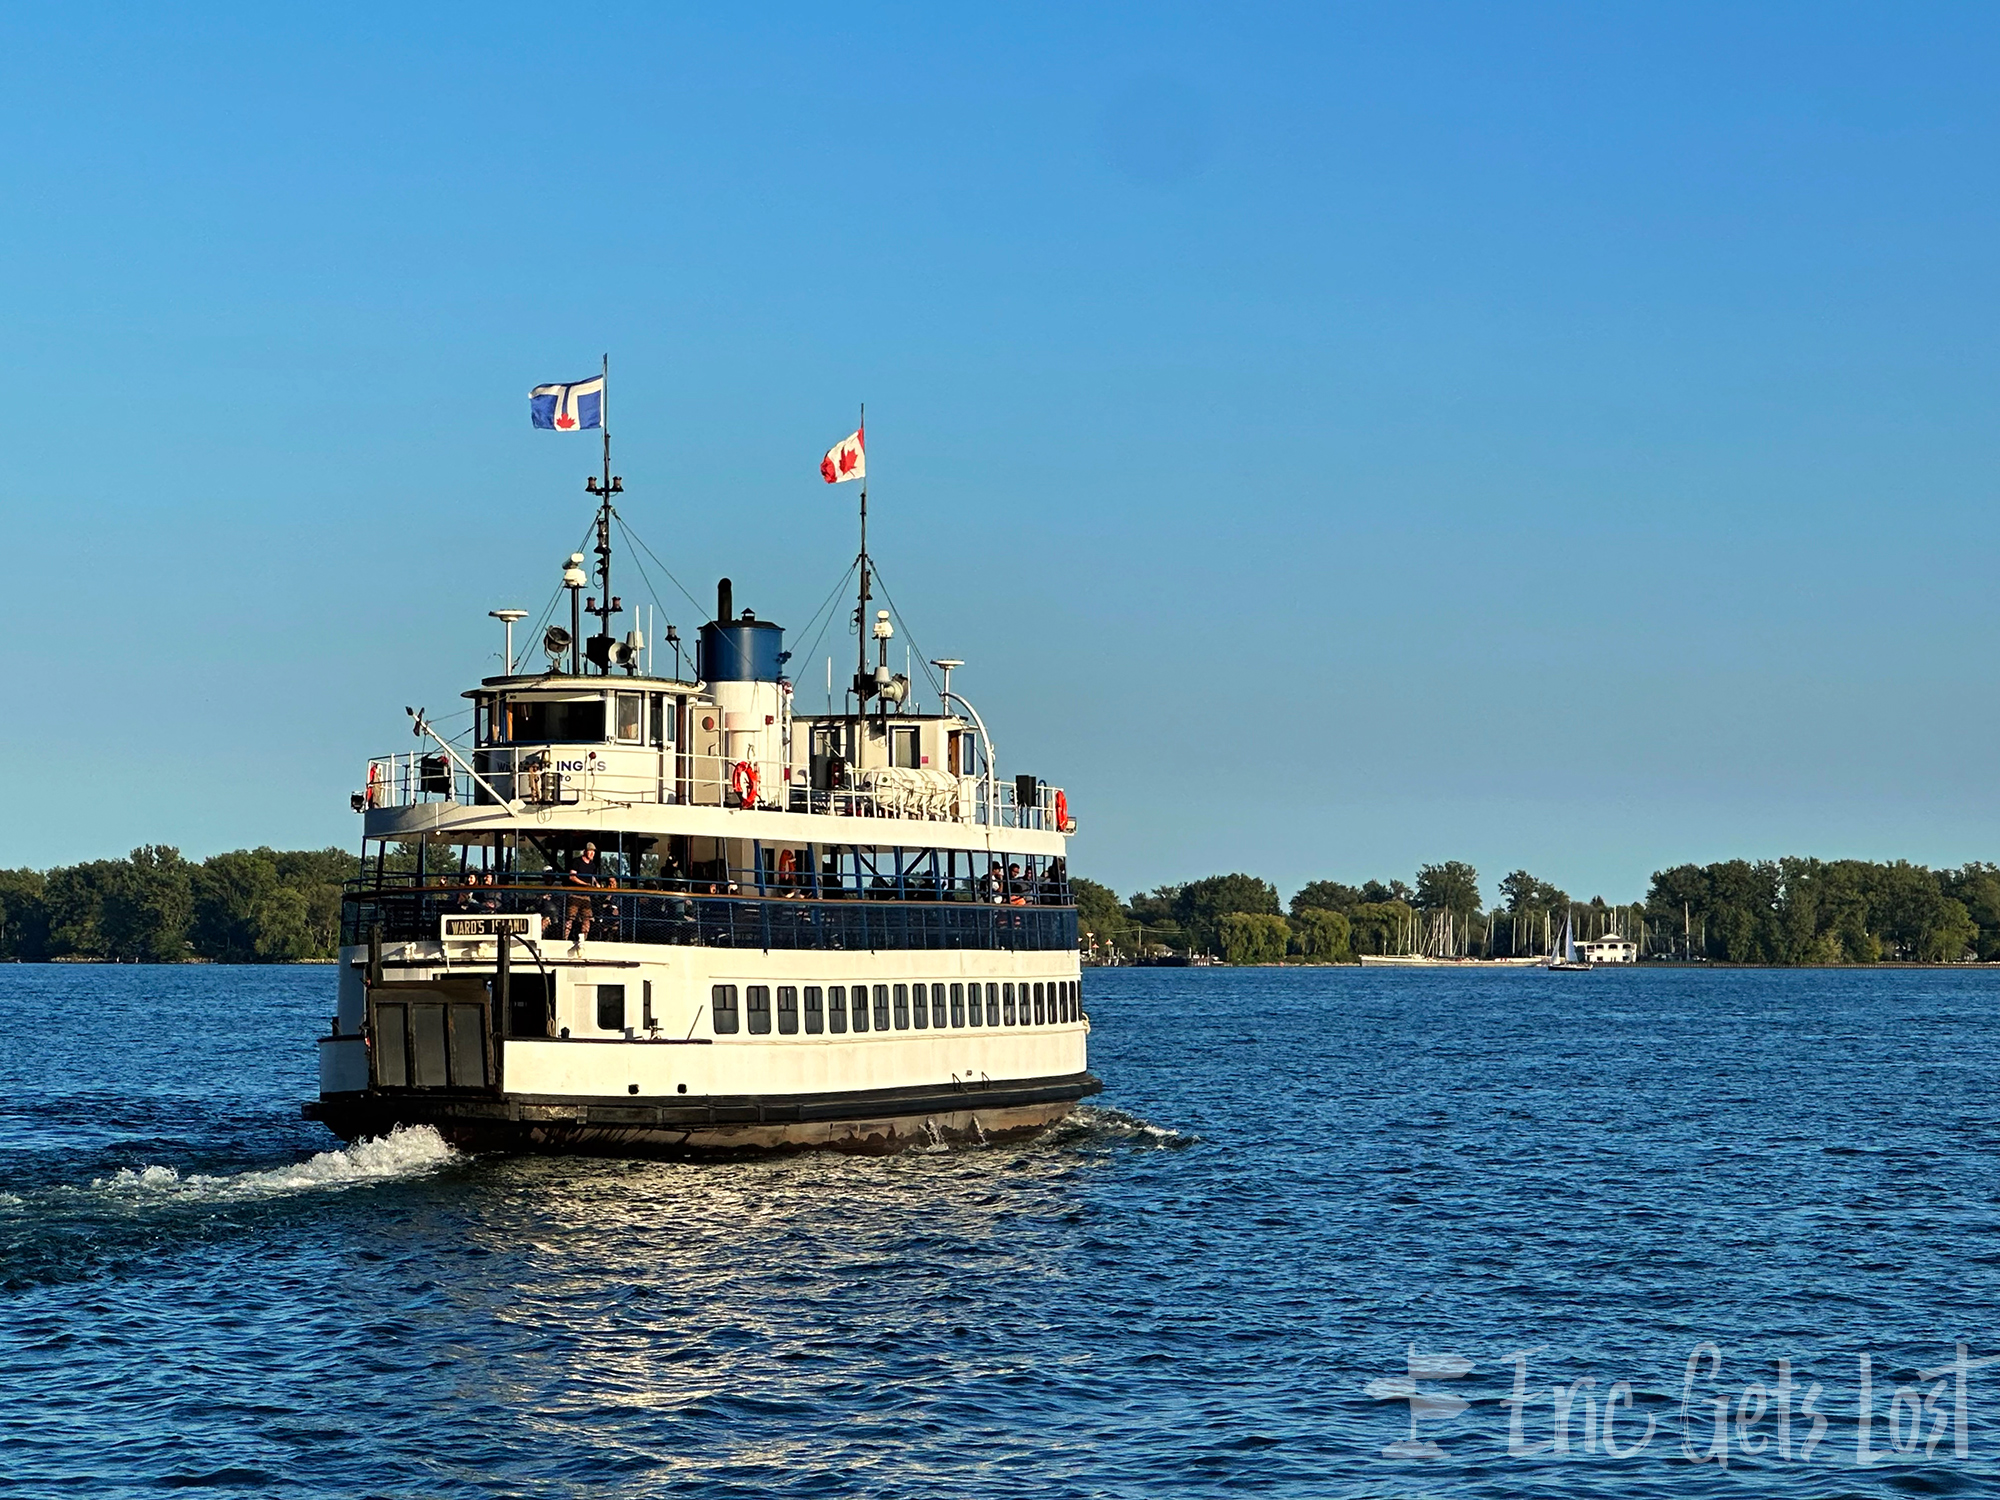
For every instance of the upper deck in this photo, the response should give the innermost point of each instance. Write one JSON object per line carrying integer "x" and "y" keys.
{"x": 727, "y": 760}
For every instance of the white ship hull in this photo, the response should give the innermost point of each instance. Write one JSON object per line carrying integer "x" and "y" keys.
{"x": 668, "y": 1083}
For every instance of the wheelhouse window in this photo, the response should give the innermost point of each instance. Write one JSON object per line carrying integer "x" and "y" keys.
{"x": 722, "y": 1008}
{"x": 958, "y": 1005}
{"x": 631, "y": 717}
{"x": 815, "y": 1015}
{"x": 611, "y": 1007}
{"x": 542, "y": 720}
{"x": 921, "y": 1008}
{"x": 788, "y": 1010}
{"x": 903, "y": 747}
{"x": 882, "y": 1008}
{"x": 836, "y": 1008}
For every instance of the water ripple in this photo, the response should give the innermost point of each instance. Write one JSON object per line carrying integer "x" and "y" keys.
{"x": 1212, "y": 1281}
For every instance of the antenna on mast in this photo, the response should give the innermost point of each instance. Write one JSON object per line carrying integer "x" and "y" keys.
{"x": 604, "y": 650}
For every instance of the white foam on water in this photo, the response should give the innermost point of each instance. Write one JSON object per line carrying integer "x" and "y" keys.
{"x": 407, "y": 1151}
{"x": 1104, "y": 1122}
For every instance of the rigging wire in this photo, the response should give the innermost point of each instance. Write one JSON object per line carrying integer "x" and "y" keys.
{"x": 548, "y": 608}
{"x": 827, "y": 623}
{"x": 644, "y": 575}
{"x": 640, "y": 543}
{"x": 922, "y": 655}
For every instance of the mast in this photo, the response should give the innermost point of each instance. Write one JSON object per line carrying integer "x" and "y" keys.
{"x": 863, "y": 679}
{"x": 601, "y": 652}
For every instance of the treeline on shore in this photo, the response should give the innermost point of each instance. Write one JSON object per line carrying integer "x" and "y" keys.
{"x": 1780, "y": 911}
{"x": 272, "y": 905}
{"x": 247, "y": 906}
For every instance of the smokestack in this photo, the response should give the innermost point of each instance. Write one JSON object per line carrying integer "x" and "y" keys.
{"x": 725, "y": 603}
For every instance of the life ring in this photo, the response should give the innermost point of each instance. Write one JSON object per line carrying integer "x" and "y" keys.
{"x": 374, "y": 783}
{"x": 788, "y": 862}
{"x": 743, "y": 782}
{"x": 1063, "y": 824}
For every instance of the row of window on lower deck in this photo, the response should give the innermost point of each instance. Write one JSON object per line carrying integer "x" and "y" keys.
{"x": 837, "y": 1008}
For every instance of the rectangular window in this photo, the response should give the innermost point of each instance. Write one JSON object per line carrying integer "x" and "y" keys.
{"x": 992, "y": 1005}
{"x": 882, "y": 1007}
{"x": 902, "y": 1007}
{"x": 661, "y": 716}
{"x": 543, "y": 722}
{"x": 1007, "y": 1004}
{"x": 921, "y": 1015}
{"x": 938, "y": 1017}
{"x": 815, "y": 1015}
{"x": 722, "y": 1009}
{"x": 631, "y": 717}
{"x": 611, "y": 1007}
{"x": 836, "y": 1008}
{"x": 788, "y": 1010}
{"x": 958, "y": 1005}
{"x": 1041, "y": 1008}
{"x": 859, "y": 999}
{"x": 903, "y": 746}
{"x": 757, "y": 1006}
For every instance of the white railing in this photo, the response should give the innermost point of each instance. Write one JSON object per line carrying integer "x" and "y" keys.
{"x": 555, "y": 775}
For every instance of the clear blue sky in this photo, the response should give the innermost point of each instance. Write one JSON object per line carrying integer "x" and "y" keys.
{"x": 1338, "y": 438}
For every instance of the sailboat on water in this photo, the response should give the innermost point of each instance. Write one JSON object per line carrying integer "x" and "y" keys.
{"x": 1569, "y": 959}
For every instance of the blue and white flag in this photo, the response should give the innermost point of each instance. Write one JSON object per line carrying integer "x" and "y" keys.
{"x": 568, "y": 408}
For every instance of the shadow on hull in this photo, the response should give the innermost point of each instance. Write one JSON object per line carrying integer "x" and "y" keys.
{"x": 874, "y": 1124}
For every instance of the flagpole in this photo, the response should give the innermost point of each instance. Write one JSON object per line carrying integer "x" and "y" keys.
{"x": 861, "y": 613}
{"x": 608, "y": 606}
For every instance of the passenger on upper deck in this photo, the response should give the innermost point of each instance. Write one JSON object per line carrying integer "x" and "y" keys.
{"x": 585, "y": 870}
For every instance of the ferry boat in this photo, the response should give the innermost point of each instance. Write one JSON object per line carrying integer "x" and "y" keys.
{"x": 673, "y": 915}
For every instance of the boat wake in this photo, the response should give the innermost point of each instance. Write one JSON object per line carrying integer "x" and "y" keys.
{"x": 407, "y": 1151}
{"x": 1100, "y": 1124}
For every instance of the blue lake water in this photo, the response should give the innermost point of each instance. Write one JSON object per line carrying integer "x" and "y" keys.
{"x": 1215, "y": 1281}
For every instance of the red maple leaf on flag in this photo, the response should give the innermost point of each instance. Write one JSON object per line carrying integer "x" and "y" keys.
{"x": 847, "y": 457}
{"x": 565, "y": 421}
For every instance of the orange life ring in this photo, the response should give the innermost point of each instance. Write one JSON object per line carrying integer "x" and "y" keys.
{"x": 374, "y": 783}
{"x": 1062, "y": 813}
{"x": 743, "y": 782}
{"x": 788, "y": 862}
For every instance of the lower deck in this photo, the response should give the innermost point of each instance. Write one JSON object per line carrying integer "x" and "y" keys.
{"x": 614, "y": 1046}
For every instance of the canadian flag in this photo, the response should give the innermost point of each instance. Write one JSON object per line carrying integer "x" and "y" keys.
{"x": 845, "y": 460}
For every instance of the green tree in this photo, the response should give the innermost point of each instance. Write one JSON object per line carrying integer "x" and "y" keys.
{"x": 1200, "y": 905}
{"x": 1325, "y": 895}
{"x": 1321, "y": 936}
{"x": 281, "y": 926}
{"x": 227, "y": 890}
{"x": 1376, "y": 893}
{"x": 1381, "y": 927}
{"x": 1253, "y": 937}
{"x": 24, "y": 914}
{"x": 1099, "y": 915}
{"x": 147, "y": 905}
{"x": 1452, "y": 886}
